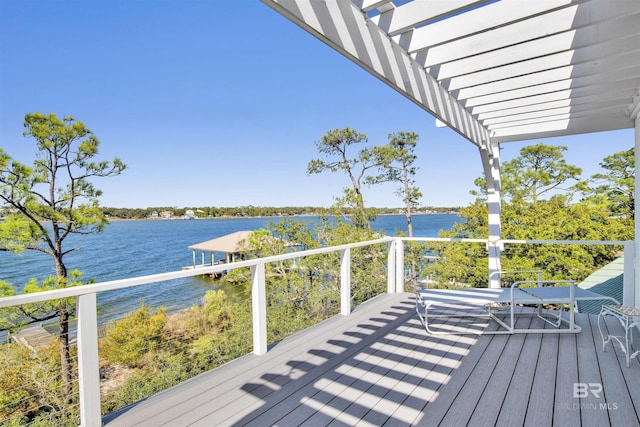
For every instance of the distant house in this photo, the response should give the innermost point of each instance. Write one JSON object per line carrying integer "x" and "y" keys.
{"x": 166, "y": 214}
{"x": 606, "y": 281}
{"x": 154, "y": 214}
{"x": 189, "y": 214}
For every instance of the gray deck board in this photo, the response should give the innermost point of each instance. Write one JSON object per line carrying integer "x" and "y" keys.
{"x": 378, "y": 366}
{"x": 514, "y": 405}
{"x": 566, "y": 377}
{"x": 616, "y": 394}
{"x": 434, "y": 413}
{"x": 465, "y": 402}
{"x": 589, "y": 344}
{"x": 493, "y": 395}
{"x": 541, "y": 399}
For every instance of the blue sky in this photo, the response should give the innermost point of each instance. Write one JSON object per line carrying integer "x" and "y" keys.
{"x": 213, "y": 103}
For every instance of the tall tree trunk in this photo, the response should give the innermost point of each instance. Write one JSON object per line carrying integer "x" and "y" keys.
{"x": 407, "y": 202}
{"x": 65, "y": 353}
{"x": 64, "y": 315}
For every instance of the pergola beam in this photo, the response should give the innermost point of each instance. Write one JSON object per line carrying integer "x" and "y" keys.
{"x": 617, "y": 17}
{"x": 575, "y": 104}
{"x": 575, "y": 125}
{"x": 593, "y": 59}
{"x": 615, "y": 90}
{"x": 403, "y": 18}
{"x": 568, "y": 41}
{"x": 574, "y": 75}
{"x": 580, "y": 87}
{"x": 555, "y": 114}
{"x": 477, "y": 21}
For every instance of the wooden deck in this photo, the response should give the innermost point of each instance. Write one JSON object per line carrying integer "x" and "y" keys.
{"x": 378, "y": 366}
{"x": 34, "y": 338}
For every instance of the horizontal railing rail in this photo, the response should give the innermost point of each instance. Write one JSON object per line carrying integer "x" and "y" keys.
{"x": 160, "y": 277}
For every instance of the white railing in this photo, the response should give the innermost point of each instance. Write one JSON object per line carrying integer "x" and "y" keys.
{"x": 86, "y": 297}
{"x": 86, "y": 308}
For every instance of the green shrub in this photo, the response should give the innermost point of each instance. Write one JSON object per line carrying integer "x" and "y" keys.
{"x": 213, "y": 316}
{"x": 129, "y": 340}
{"x": 164, "y": 371}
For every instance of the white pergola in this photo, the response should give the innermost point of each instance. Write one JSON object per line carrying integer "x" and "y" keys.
{"x": 496, "y": 71}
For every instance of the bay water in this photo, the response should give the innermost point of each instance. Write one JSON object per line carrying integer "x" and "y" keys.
{"x": 131, "y": 248}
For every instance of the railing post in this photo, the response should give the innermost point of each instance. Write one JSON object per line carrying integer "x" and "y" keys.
{"x": 635, "y": 115}
{"x": 629, "y": 293}
{"x": 539, "y": 279}
{"x": 399, "y": 265}
{"x": 88, "y": 367}
{"x": 345, "y": 282}
{"x": 391, "y": 267}
{"x": 494, "y": 249}
{"x": 259, "y": 309}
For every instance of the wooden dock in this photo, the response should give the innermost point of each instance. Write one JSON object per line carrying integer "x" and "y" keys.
{"x": 34, "y": 338}
{"x": 378, "y": 367}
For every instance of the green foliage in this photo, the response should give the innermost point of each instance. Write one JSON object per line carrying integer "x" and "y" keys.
{"x": 415, "y": 254}
{"x": 295, "y": 287}
{"x": 475, "y": 223}
{"x": 545, "y": 220}
{"x": 216, "y": 314}
{"x": 50, "y": 201}
{"x": 6, "y": 290}
{"x": 17, "y": 232}
{"x": 30, "y": 388}
{"x": 336, "y": 145}
{"x": 64, "y": 166}
{"x": 525, "y": 216}
{"x": 213, "y": 316}
{"x": 539, "y": 169}
{"x": 17, "y": 317}
{"x": 138, "y": 334}
{"x": 459, "y": 263}
{"x": 163, "y": 371}
{"x": 615, "y": 188}
{"x": 302, "y": 292}
{"x": 212, "y": 350}
{"x": 397, "y": 163}
{"x": 15, "y": 399}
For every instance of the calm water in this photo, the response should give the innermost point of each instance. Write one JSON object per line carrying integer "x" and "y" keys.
{"x": 137, "y": 248}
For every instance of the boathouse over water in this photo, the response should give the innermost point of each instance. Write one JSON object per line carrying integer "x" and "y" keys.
{"x": 231, "y": 245}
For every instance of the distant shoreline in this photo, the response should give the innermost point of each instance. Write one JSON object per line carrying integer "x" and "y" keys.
{"x": 182, "y": 218}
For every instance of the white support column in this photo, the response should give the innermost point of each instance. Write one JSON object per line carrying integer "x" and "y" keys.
{"x": 490, "y": 155}
{"x": 634, "y": 111}
{"x": 259, "y": 309}
{"x": 345, "y": 282}
{"x": 88, "y": 367}
{"x": 628, "y": 288}
{"x": 399, "y": 266}
{"x": 391, "y": 266}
